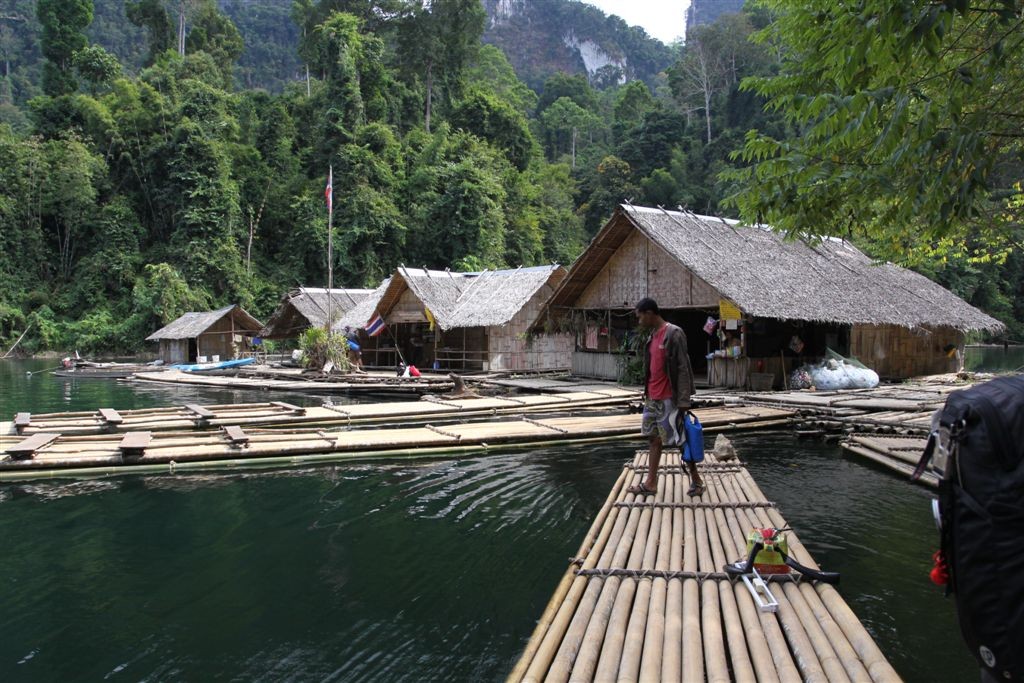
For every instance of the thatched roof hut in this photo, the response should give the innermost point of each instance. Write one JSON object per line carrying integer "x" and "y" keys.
{"x": 479, "y": 319}
{"x": 221, "y": 333}
{"x": 307, "y": 307}
{"x": 695, "y": 263}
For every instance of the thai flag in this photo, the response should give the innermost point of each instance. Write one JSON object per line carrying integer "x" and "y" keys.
{"x": 375, "y": 326}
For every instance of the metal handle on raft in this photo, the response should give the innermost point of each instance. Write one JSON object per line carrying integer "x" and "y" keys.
{"x": 763, "y": 597}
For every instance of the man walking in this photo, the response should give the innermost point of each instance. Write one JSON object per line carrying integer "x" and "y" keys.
{"x": 668, "y": 386}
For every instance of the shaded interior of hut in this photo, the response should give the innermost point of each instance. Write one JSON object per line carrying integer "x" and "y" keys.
{"x": 730, "y": 350}
{"x": 463, "y": 349}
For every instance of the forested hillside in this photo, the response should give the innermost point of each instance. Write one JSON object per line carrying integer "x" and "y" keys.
{"x": 178, "y": 161}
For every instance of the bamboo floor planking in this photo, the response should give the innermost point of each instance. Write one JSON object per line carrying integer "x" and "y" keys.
{"x": 684, "y": 620}
{"x": 79, "y": 453}
{"x": 284, "y": 415}
{"x": 897, "y": 453}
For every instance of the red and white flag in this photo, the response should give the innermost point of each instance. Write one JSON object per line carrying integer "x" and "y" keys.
{"x": 375, "y": 326}
{"x": 329, "y": 191}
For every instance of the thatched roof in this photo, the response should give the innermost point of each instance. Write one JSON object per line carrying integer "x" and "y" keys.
{"x": 360, "y": 314}
{"x": 769, "y": 276}
{"x": 193, "y": 324}
{"x": 308, "y": 307}
{"x": 496, "y": 296}
{"x": 457, "y": 300}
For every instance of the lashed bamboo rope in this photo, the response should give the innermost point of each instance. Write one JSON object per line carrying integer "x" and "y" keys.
{"x": 643, "y": 622}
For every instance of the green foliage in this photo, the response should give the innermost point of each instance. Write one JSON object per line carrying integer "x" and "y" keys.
{"x": 499, "y": 123}
{"x": 63, "y": 23}
{"x": 96, "y": 66}
{"x": 166, "y": 189}
{"x": 151, "y": 15}
{"x": 491, "y": 71}
{"x": 320, "y": 347}
{"x": 630, "y": 359}
{"x": 214, "y": 33}
{"x": 907, "y": 117}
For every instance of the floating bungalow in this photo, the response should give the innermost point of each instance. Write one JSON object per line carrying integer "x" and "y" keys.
{"x": 307, "y": 307}
{"x": 752, "y": 301}
{"x": 207, "y": 335}
{"x": 463, "y": 321}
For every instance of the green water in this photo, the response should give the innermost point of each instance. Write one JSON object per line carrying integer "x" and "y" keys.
{"x": 389, "y": 571}
{"x": 994, "y": 358}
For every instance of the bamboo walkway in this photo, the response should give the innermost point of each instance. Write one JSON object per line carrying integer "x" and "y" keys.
{"x": 645, "y": 600}
{"x": 47, "y": 454}
{"x": 909, "y": 397}
{"x": 371, "y": 383}
{"x": 897, "y": 453}
{"x": 279, "y": 414}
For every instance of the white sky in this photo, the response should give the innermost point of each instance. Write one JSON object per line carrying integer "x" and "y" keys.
{"x": 663, "y": 19}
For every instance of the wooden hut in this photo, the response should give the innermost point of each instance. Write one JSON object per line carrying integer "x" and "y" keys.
{"x": 211, "y": 335}
{"x": 769, "y": 303}
{"x": 463, "y": 321}
{"x": 307, "y": 307}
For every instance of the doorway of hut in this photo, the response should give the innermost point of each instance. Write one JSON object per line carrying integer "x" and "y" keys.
{"x": 415, "y": 341}
{"x": 698, "y": 342}
{"x": 691, "y": 321}
{"x": 193, "y": 350}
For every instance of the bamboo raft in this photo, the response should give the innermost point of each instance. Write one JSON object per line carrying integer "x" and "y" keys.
{"x": 909, "y": 398}
{"x": 377, "y": 383}
{"x": 646, "y": 599}
{"x": 47, "y": 455}
{"x": 280, "y": 414}
{"x": 897, "y": 453}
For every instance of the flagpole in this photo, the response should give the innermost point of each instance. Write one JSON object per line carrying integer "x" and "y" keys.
{"x": 330, "y": 249}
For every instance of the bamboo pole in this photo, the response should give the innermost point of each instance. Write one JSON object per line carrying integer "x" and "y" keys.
{"x": 574, "y": 648}
{"x": 654, "y": 636}
{"x": 682, "y": 547}
{"x": 610, "y": 652}
{"x": 693, "y": 659}
{"x": 11, "y": 350}
{"x": 562, "y": 590}
{"x": 628, "y": 668}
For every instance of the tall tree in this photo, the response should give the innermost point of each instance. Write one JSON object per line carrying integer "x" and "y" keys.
{"x": 215, "y": 34}
{"x": 151, "y": 15}
{"x": 701, "y": 75}
{"x": 64, "y": 23}
{"x": 908, "y": 121}
{"x": 438, "y": 39}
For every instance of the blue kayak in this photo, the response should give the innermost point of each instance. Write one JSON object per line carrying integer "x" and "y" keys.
{"x": 222, "y": 365}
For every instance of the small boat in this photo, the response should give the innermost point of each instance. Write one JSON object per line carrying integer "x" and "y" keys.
{"x": 220, "y": 365}
{"x": 82, "y": 368}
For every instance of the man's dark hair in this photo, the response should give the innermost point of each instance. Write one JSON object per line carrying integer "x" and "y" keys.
{"x": 647, "y": 304}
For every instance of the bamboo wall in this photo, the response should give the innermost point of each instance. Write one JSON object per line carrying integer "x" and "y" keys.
{"x": 217, "y": 340}
{"x": 408, "y": 309}
{"x": 509, "y": 349}
{"x": 174, "y": 351}
{"x": 640, "y": 268}
{"x": 897, "y": 352}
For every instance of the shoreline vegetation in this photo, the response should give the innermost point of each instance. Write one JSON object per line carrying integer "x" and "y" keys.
{"x": 155, "y": 165}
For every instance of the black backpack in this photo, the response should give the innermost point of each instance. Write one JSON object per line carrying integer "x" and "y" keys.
{"x": 977, "y": 449}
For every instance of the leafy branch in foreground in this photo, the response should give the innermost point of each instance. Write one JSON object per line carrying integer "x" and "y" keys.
{"x": 907, "y": 119}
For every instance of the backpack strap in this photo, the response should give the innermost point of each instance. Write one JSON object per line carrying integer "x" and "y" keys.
{"x": 926, "y": 457}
